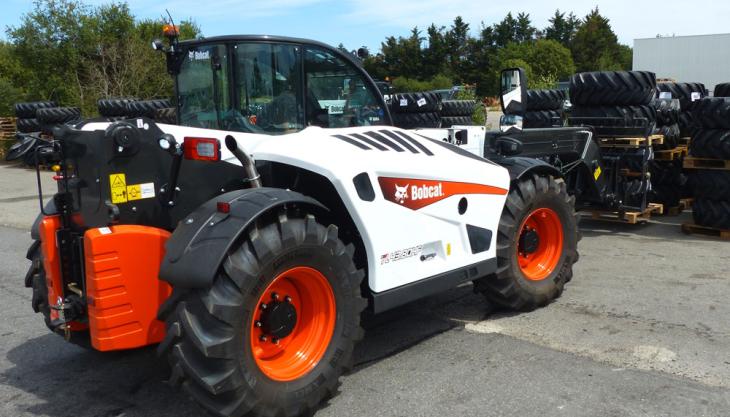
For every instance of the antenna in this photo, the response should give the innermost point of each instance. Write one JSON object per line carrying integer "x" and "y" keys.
{"x": 172, "y": 22}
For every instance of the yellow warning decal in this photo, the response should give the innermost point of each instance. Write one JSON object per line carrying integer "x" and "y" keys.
{"x": 140, "y": 191}
{"x": 118, "y": 184}
{"x": 597, "y": 173}
{"x": 134, "y": 192}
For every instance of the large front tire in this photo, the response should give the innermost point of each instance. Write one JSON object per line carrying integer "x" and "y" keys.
{"x": 536, "y": 245}
{"x": 276, "y": 329}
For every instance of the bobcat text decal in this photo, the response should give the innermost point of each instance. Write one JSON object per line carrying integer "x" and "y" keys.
{"x": 415, "y": 194}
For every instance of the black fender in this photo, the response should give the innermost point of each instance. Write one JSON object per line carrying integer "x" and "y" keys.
{"x": 519, "y": 167}
{"x": 202, "y": 239}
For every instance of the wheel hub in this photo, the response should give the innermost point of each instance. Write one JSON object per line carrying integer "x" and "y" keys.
{"x": 278, "y": 318}
{"x": 529, "y": 241}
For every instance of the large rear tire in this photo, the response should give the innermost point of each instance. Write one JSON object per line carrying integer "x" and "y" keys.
{"x": 536, "y": 245}
{"x": 276, "y": 329}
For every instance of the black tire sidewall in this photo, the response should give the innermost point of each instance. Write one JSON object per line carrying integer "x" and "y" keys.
{"x": 335, "y": 270}
{"x": 547, "y": 285}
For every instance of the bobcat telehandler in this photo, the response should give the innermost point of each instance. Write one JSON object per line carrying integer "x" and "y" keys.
{"x": 248, "y": 239}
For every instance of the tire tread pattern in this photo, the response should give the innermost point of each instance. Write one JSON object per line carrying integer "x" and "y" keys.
{"x": 200, "y": 341}
{"x": 612, "y": 88}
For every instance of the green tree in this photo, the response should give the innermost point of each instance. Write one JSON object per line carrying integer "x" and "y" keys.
{"x": 74, "y": 53}
{"x": 548, "y": 61}
{"x": 562, "y": 28}
{"x": 595, "y": 46}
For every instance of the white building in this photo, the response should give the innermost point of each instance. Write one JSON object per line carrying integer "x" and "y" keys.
{"x": 702, "y": 58}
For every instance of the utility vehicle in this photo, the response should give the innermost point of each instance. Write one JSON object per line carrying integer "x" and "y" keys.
{"x": 248, "y": 239}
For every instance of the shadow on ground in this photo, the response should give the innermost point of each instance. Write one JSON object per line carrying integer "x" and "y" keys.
{"x": 70, "y": 381}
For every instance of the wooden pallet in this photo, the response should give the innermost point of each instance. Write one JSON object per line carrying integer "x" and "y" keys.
{"x": 7, "y": 127}
{"x": 632, "y": 142}
{"x": 706, "y": 163}
{"x": 671, "y": 154}
{"x": 684, "y": 204}
{"x": 684, "y": 141}
{"x": 629, "y": 217}
{"x": 690, "y": 228}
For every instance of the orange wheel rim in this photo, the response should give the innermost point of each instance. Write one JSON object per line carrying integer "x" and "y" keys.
{"x": 540, "y": 244}
{"x": 293, "y": 324}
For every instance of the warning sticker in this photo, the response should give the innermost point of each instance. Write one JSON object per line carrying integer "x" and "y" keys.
{"x": 118, "y": 184}
{"x": 597, "y": 173}
{"x": 140, "y": 191}
{"x": 421, "y": 102}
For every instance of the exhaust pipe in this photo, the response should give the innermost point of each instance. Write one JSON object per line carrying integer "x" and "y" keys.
{"x": 253, "y": 175}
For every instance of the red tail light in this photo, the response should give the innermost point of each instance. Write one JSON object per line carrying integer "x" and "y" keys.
{"x": 202, "y": 149}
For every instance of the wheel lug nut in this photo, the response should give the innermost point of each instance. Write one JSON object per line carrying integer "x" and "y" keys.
{"x": 259, "y": 324}
{"x": 274, "y": 296}
{"x": 263, "y": 338}
{"x": 287, "y": 299}
{"x": 264, "y": 306}
{"x": 275, "y": 341}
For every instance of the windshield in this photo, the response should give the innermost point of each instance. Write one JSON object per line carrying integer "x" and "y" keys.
{"x": 273, "y": 88}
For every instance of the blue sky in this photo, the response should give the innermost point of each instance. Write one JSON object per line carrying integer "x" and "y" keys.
{"x": 368, "y": 22}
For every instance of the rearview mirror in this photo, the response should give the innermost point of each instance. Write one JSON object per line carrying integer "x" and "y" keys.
{"x": 513, "y": 91}
{"x": 510, "y": 123}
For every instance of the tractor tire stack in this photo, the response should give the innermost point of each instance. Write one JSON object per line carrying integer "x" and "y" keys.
{"x": 115, "y": 109}
{"x": 688, "y": 94}
{"x": 722, "y": 90}
{"x": 457, "y": 112}
{"x": 416, "y": 110}
{"x": 667, "y": 180}
{"x": 614, "y": 100}
{"x": 619, "y": 105}
{"x": 544, "y": 109}
{"x": 710, "y": 148}
{"x": 26, "y": 121}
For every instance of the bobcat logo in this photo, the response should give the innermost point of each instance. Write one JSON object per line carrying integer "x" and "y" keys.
{"x": 401, "y": 194}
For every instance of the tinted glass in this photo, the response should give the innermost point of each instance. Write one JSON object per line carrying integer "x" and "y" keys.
{"x": 337, "y": 93}
{"x": 203, "y": 87}
{"x": 269, "y": 88}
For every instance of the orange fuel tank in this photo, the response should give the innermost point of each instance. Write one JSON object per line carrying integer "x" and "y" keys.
{"x": 122, "y": 285}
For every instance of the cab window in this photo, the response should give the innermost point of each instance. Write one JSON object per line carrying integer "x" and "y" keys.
{"x": 337, "y": 93}
{"x": 269, "y": 88}
{"x": 203, "y": 86}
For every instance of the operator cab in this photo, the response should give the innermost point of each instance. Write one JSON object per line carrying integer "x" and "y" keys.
{"x": 271, "y": 85}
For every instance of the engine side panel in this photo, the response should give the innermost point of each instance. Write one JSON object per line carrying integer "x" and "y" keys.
{"x": 122, "y": 286}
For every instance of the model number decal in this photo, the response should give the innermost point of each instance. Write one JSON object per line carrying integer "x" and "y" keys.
{"x": 401, "y": 254}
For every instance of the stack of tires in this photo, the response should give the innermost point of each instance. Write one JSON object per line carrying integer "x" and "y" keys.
{"x": 667, "y": 121}
{"x": 416, "y": 110}
{"x": 617, "y": 103}
{"x": 457, "y": 112}
{"x": 667, "y": 179}
{"x": 711, "y": 187}
{"x": 34, "y": 120}
{"x": 614, "y": 100}
{"x": 688, "y": 94}
{"x": 722, "y": 90}
{"x": 114, "y": 109}
{"x": 26, "y": 121}
{"x": 544, "y": 109}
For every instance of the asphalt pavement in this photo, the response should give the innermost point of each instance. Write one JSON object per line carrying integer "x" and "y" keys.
{"x": 642, "y": 330}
